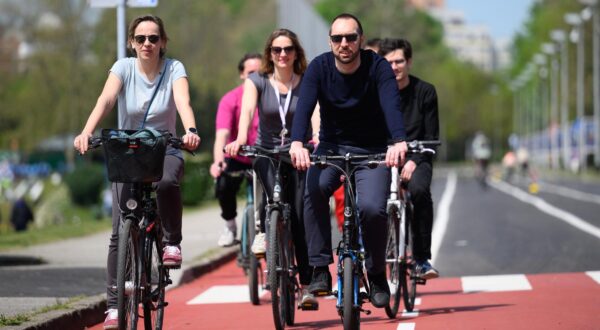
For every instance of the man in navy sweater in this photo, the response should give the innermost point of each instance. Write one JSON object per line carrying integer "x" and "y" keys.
{"x": 360, "y": 113}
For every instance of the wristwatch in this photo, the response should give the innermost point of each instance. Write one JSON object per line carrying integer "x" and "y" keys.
{"x": 193, "y": 130}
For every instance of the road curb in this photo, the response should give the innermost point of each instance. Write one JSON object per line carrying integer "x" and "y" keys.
{"x": 89, "y": 311}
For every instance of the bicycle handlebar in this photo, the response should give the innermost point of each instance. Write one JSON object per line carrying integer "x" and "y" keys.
{"x": 177, "y": 143}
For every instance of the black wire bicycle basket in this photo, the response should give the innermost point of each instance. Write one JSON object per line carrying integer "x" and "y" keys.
{"x": 135, "y": 155}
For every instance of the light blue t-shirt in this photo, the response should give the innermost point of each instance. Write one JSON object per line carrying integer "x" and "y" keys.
{"x": 137, "y": 91}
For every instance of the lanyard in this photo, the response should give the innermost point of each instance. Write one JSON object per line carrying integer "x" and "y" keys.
{"x": 283, "y": 110}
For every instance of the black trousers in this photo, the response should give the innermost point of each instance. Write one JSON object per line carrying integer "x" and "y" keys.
{"x": 372, "y": 188}
{"x": 420, "y": 195}
{"x": 170, "y": 208}
{"x": 227, "y": 186}
{"x": 293, "y": 190}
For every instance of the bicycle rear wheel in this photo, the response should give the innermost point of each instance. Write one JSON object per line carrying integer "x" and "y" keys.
{"x": 393, "y": 264}
{"x": 409, "y": 277}
{"x": 154, "y": 286}
{"x": 128, "y": 279}
{"x": 253, "y": 268}
{"x": 275, "y": 269}
{"x": 290, "y": 292}
{"x": 351, "y": 316}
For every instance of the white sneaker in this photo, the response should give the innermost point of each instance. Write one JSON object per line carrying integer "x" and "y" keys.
{"x": 227, "y": 238}
{"x": 259, "y": 246}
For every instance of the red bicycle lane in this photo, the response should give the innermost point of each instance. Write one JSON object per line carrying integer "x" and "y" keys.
{"x": 219, "y": 300}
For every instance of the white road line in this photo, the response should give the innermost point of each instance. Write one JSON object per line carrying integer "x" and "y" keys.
{"x": 224, "y": 294}
{"x": 406, "y": 326}
{"x": 495, "y": 283}
{"x": 595, "y": 275}
{"x": 414, "y": 313}
{"x": 543, "y": 206}
{"x": 570, "y": 193}
{"x": 443, "y": 215}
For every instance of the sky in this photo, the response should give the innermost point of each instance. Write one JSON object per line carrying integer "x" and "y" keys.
{"x": 503, "y": 17}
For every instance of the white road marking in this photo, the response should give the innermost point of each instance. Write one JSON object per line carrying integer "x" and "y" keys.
{"x": 443, "y": 215}
{"x": 406, "y": 326}
{"x": 417, "y": 301}
{"x": 595, "y": 275}
{"x": 552, "y": 210}
{"x": 224, "y": 294}
{"x": 495, "y": 283}
{"x": 570, "y": 193}
{"x": 414, "y": 313}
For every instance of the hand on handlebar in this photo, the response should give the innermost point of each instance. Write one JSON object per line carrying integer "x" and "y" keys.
{"x": 191, "y": 141}
{"x": 81, "y": 142}
{"x": 300, "y": 156}
{"x": 396, "y": 154}
{"x": 233, "y": 148}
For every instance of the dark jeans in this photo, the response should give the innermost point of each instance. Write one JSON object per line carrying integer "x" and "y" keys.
{"x": 293, "y": 190}
{"x": 168, "y": 198}
{"x": 372, "y": 188}
{"x": 420, "y": 195}
{"x": 227, "y": 187}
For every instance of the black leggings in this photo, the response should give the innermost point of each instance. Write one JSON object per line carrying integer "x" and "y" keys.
{"x": 293, "y": 190}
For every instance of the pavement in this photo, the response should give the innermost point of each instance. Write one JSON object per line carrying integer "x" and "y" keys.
{"x": 78, "y": 256}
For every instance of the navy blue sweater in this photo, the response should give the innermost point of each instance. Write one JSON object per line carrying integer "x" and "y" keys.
{"x": 361, "y": 109}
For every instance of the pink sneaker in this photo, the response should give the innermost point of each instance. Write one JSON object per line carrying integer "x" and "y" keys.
{"x": 172, "y": 256}
{"x": 112, "y": 319}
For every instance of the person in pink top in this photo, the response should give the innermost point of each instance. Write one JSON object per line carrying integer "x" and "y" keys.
{"x": 228, "y": 116}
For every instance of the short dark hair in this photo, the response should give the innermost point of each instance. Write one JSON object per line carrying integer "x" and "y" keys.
{"x": 373, "y": 42}
{"x": 348, "y": 16}
{"x": 389, "y": 45}
{"x": 247, "y": 56}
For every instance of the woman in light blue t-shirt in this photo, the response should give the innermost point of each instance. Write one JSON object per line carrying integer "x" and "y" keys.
{"x": 131, "y": 84}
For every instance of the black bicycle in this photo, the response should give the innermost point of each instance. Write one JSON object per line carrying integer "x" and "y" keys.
{"x": 136, "y": 157}
{"x": 350, "y": 251}
{"x": 401, "y": 272}
{"x": 281, "y": 267}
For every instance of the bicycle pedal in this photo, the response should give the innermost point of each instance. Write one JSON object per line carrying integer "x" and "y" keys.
{"x": 321, "y": 293}
{"x": 366, "y": 311}
{"x": 421, "y": 281}
{"x": 308, "y": 306}
{"x": 260, "y": 256}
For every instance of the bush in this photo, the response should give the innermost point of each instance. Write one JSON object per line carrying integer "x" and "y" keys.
{"x": 85, "y": 184}
{"x": 197, "y": 184}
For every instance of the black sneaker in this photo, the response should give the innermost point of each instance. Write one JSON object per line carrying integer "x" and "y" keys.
{"x": 426, "y": 271}
{"x": 380, "y": 291}
{"x": 320, "y": 285}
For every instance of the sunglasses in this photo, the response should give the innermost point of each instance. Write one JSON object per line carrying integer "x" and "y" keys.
{"x": 287, "y": 49}
{"x": 140, "y": 39}
{"x": 337, "y": 38}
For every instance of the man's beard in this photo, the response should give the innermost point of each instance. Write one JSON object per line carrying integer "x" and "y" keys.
{"x": 347, "y": 60}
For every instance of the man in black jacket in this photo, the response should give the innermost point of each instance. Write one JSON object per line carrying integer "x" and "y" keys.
{"x": 420, "y": 109}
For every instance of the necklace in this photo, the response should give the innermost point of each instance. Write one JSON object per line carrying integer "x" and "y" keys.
{"x": 283, "y": 110}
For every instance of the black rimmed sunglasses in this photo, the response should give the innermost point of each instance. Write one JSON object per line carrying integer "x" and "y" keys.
{"x": 140, "y": 39}
{"x": 288, "y": 49}
{"x": 337, "y": 38}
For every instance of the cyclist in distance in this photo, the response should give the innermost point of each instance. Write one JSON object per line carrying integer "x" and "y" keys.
{"x": 420, "y": 110}
{"x": 131, "y": 83}
{"x": 482, "y": 152}
{"x": 227, "y": 120}
{"x": 275, "y": 90}
{"x": 360, "y": 113}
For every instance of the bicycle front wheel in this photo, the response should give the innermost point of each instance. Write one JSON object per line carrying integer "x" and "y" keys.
{"x": 351, "y": 316}
{"x": 128, "y": 280}
{"x": 409, "y": 277}
{"x": 275, "y": 267}
{"x": 393, "y": 264}
{"x": 253, "y": 268}
{"x": 154, "y": 286}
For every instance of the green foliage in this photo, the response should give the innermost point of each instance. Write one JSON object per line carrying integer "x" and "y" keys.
{"x": 85, "y": 184}
{"x": 197, "y": 184}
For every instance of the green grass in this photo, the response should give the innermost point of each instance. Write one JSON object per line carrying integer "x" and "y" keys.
{"x": 19, "y": 319}
{"x": 13, "y": 320}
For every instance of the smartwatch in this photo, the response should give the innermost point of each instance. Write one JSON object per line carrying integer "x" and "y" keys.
{"x": 193, "y": 130}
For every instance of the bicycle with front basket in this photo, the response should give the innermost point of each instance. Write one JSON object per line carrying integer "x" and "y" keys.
{"x": 136, "y": 157}
{"x": 281, "y": 267}
{"x": 401, "y": 271}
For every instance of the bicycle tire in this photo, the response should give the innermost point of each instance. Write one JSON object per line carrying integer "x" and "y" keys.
{"x": 127, "y": 271}
{"x": 274, "y": 262}
{"x": 351, "y": 314}
{"x": 409, "y": 278}
{"x": 253, "y": 268}
{"x": 290, "y": 294}
{"x": 393, "y": 263}
{"x": 154, "y": 286}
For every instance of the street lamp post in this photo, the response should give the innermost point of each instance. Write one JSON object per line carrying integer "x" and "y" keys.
{"x": 594, "y": 6}
{"x": 544, "y": 123}
{"x": 577, "y": 37}
{"x": 550, "y": 50}
{"x": 559, "y": 36}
